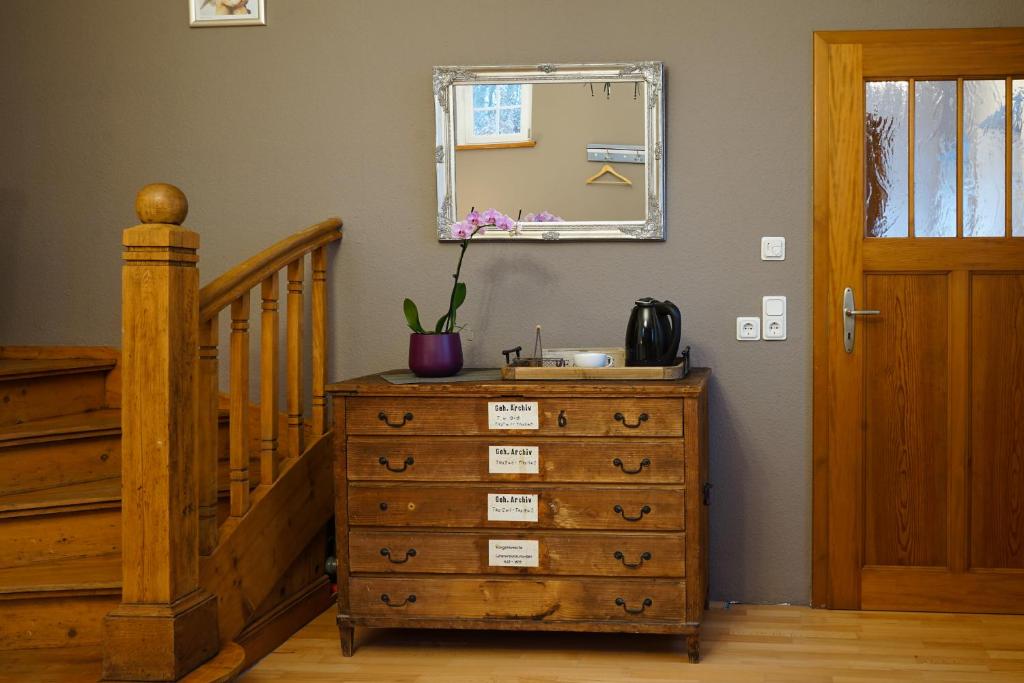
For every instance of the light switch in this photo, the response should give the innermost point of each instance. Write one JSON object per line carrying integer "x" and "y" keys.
{"x": 773, "y": 248}
{"x": 773, "y": 317}
{"x": 748, "y": 329}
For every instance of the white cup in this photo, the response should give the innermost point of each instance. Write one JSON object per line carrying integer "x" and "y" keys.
{"x": 592, "y": 360}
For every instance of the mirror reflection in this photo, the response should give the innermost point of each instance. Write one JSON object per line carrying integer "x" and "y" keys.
{"x": 552, "y": 152}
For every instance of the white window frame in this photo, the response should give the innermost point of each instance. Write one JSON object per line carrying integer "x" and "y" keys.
{"x": 465, "y": 133}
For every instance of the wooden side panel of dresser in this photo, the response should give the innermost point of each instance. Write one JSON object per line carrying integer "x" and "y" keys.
{"x": 621, "y": 520}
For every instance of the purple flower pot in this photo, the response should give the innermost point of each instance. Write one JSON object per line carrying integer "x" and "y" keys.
{"x": 435, "y": 355}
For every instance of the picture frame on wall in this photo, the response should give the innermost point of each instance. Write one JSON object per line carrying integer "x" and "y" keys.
{"x": 205, "y": 13}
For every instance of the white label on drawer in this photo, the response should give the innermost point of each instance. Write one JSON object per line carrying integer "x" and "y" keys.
{"x": 511, "y": 507}
{"x": 513, "y": 553}
{"x": 513, "y": 415}
{"x": 514, "y": 459}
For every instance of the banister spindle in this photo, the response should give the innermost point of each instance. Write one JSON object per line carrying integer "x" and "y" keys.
{"x": 207, "y": 428}
{"x": 239, "y": 406}
{"x": 319, "y": 333}
{"x": 268, "y": 382}
{"x": 296, "y": 271}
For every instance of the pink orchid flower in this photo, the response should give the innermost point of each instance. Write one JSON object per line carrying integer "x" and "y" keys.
{"x": 461, "y": 230}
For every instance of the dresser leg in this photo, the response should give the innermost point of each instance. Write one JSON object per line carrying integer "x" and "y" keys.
{"x": 693, "y": 648}
{"x": 348, "y": 644}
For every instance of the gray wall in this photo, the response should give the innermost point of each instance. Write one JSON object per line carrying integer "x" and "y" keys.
{"x": 328, "y": 110}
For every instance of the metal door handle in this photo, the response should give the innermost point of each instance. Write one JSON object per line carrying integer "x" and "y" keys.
{"x": 850, "y": 314}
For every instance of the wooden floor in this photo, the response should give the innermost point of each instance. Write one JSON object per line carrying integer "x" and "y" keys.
{"x": 742, "y": 644}
{"x": 762, "y": 644}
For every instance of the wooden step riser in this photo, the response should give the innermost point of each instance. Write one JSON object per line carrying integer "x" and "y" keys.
{"x": 35, "y": 398}
{"x": 65, "y": 461}
{"x": 33, "y": 543}
{"x": 41, "y": 466}
{"x": 43, "y": 622}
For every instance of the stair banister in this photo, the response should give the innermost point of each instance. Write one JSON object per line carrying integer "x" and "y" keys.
{"x": 173, "y": 548}
{"x": 166, "y": 625}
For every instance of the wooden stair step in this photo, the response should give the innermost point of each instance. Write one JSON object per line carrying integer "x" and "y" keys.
{"x": 62, "y": 427}
{"x": 26, "y": 368}
{"x": 83, "y": 495}
{"x": 65, "y": 576}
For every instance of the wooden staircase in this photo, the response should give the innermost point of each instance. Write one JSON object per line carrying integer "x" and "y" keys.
{"x": 259, "y": 510}
{"x": 60, "y": 495}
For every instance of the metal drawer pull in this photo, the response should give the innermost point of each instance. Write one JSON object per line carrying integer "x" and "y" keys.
{"x": 645, "y": 510}
{"x": 646, "y": 462}
{"x": 640, "y": 610}
{"x": 387, "y": 600}
{"x": 383, "y": 417}
{"x": 384, "y": 461}
{"x": 644, "y": 557}
{"x": 561, "y": 419}
{"x": 619, "y": 417}
{"x": 386, "y": 552}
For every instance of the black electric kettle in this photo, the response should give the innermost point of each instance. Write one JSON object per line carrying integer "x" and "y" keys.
{"x": 652, "y": 337}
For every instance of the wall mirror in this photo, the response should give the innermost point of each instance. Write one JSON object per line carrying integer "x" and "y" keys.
{"x": 572, "y": 151}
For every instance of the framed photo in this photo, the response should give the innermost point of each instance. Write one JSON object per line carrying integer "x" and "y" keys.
{"x": 203, "y": 13}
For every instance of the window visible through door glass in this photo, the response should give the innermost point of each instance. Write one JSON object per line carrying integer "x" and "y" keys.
{"x": 886, "y": 143}
{"x": 935, "y": 159}
{"x": 1018, "y": 159}
{"x": 984, "y": 145}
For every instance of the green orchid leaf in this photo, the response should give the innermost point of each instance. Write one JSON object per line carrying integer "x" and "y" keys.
{"x": 412, "y": 317}
{"x": 458, "y": 299}
{"x": 460, "y": 295}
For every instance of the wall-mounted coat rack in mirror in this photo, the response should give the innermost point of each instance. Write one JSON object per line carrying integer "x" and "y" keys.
{"x": 533, "y": 142}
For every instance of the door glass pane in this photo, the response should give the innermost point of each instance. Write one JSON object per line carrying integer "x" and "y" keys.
{"x": 984, "y": 158}
{"x": 886, "y": 143}
{"x": 1018, "y": 159}
{"x": 935, "y": 159}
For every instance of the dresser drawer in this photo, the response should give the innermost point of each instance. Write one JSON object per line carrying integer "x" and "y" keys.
{"x": 531, "y": 599}
{"x": 570, "y": 554}
{"x": 594, "y": 507}
{"x": 633, "y": 417}
{"x": 628, "y": 461}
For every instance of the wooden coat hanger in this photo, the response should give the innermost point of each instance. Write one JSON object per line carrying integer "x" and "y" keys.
{"x": 607, "y": 168}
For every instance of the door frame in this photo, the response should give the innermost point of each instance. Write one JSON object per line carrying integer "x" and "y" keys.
{"x": 881, "y": 54}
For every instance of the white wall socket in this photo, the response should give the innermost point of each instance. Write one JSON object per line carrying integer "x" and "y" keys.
{"x": 773, "y": 317}
{"x": 748, "y": 329}
{"x": 773, "y": 248}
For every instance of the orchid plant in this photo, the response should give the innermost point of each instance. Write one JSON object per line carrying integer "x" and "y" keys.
{"x": 475, "y": 223}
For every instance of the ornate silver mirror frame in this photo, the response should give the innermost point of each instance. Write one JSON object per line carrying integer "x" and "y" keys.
{"x": 649, "y": 74}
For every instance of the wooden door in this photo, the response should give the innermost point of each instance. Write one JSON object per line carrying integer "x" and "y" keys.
{"x": 919, "y": 428}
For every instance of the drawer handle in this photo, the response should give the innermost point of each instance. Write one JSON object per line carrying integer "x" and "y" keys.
{"x": 637, "y": 610}
{"x": 619, "y": 417}
{"x": 561, "y": 419}
{"x": 386, "y": 552}
{"x": 644, "y": 557}
{"x": 405, "y": 465}
{"x": 383, "y": 417}
{"x": 645, "y": 510}
{"x": 646, "y": 462}
{"x": 387, "y": 600}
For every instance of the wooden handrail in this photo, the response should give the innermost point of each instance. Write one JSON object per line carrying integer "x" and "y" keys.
{"x": 218, "y": 295}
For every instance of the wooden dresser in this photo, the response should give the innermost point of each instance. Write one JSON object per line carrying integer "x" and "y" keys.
{"x": 528, "y": 505}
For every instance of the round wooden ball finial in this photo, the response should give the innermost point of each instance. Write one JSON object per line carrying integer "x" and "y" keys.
{"x": 161, "y": 203}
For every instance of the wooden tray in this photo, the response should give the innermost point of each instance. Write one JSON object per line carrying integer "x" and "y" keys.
{"x": 666, "y": 372}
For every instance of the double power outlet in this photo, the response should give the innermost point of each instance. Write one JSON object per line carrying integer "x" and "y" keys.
{"x": 772, "y": 321}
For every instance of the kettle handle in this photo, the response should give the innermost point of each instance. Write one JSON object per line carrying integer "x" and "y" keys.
{"x": 671, "y": 311}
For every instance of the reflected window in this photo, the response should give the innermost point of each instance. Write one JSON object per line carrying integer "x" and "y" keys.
{"x": 495, "y": 113}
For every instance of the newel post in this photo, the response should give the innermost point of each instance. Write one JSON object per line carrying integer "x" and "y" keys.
{"x": 166, "y": 625}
